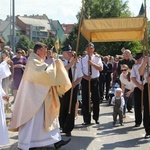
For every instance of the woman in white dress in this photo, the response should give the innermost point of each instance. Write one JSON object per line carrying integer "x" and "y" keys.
{"x": 4, "y": 72}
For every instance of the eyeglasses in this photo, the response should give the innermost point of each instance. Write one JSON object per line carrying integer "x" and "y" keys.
{"x": 124, "y": 70}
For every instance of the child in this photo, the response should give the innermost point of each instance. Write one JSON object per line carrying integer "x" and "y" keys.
{"x": 118, "y": 102}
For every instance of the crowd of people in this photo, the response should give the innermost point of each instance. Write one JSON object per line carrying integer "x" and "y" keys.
{"x": 57, "y": 83}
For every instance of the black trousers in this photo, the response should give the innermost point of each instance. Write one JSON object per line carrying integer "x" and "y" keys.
{"x": 101, "y": 85}
{"x": 130, "y": 102}
{"x": 146, "y": 118}
{"x": 107, "y": 84}
{"x": 137, "y": 105}
{"x": 95, "y": 98}
{"x": 66, "y": 120}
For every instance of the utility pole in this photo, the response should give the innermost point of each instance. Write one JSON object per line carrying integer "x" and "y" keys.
{"x": 13, "y": 25}
{"x": 10, "y": 39}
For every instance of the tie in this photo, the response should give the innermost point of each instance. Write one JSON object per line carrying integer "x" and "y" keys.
{"x": 70, "y": 73}
{"x": 90, "y": 67}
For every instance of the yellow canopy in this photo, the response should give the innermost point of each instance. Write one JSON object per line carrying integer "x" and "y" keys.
{"x": 114, "y": 29}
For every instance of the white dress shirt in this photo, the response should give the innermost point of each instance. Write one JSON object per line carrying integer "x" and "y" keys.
{"x": 84, "y": 62}
{"x": 78, "y": 72}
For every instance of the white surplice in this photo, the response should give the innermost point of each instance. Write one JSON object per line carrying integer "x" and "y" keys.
{"x": 4, "y": 72}
{"x": 32, "y": 134}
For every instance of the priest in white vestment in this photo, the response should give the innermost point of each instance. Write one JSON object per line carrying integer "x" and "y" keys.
{"x": 4, "y": 72}
{"x": 36, "y": 107}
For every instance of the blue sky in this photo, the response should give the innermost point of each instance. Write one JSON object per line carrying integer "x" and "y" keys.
{"x": 63, "y": 10}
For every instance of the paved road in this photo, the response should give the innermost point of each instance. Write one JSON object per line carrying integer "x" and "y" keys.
{"x": 99, "y": 137}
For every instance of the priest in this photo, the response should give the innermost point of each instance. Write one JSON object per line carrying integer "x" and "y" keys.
{"x": 36, "y": 107}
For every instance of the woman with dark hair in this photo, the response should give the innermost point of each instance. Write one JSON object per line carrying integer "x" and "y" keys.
{"x": 19, "y": 66}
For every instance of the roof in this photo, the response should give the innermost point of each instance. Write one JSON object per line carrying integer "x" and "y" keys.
{"x": 36, "y": 22}
{"x": 3, "y": 25}
{"x": 68, "y": 28}
{"x": 114, "y": 29}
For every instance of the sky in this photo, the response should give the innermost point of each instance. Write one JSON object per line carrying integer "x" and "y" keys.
{"x": 63, "y": 10}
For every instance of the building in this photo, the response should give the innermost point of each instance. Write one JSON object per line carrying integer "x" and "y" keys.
{"x": 5, "y": 29}
{"x": 58, "y": 29}
{"x": 34, "y": 29}
{"x": 67, "y": 29}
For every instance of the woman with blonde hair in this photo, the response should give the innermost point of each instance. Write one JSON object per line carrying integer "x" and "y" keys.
{"x": 126, "y": 85}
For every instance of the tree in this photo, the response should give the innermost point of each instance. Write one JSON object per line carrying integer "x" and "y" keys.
{"x": 104, "y": 9}
{"x": 23, "y": 43}
{"x": 31, "y": 44}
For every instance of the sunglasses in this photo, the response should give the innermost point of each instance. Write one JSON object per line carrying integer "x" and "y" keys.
{"x": 124, "y": 69}
{"x": 19, "y": 52}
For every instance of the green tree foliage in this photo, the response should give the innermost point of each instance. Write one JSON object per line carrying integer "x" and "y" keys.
{"x": 23, "y": 43}
{"x": 104, "y": 9}
{"x": 50, "y": 42}
{"x": 31, "y": 44}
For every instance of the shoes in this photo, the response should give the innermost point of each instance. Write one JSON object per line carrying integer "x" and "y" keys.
{"x": 76, "y": 117}
{"x": 137, "y": 125}
{"x": 13, "y": 102}
{"x": 121, "y": 124}
{"x": 147, "y": 136}
{"x": 61, "y": 143}
{"x": 124, "y": 116}
{"x": 63, "y": 131}
{"x": 86, "y": 123}
{"x": 68, "y": 134}
{"x": 97, "y": 122}
{"x": 114, "y": 123}
{"x": 130, "y": 111}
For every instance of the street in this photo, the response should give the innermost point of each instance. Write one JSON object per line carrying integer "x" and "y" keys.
{"x": 103, "y": 136}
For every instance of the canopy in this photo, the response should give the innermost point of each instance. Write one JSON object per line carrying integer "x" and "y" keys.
{"x": 114, "y": 29}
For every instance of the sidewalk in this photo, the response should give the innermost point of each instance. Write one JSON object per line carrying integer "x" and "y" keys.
{"x": 99, "y": 137}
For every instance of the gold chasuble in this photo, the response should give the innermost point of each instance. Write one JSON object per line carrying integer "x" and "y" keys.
{"x": 40, "y": 84}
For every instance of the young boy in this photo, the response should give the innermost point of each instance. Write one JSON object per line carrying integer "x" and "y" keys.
{"x": 118, "y": 102}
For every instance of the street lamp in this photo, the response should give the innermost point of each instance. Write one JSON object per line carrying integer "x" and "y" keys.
{"x": 10, "y": 37}
{"x": 13, "y": 25}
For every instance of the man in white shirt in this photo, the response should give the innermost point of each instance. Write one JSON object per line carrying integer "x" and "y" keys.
{"x": 91, "y": 67}
{"x": 145, "y": 72}
{"x": 138, "y": 87}
{"x": 73, "y": 67}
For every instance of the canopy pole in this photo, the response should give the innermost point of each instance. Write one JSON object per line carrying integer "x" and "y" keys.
{"x": 89, "y": 81}
{"x": 57, "y": 46}
{"x": 147, "y": 50}
{"x": 77, "y": 47}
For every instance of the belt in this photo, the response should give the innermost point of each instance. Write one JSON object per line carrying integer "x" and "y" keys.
{"x": 95, "y": 78}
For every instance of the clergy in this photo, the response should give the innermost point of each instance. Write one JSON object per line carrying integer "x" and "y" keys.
{"x": 36, "y": 107}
